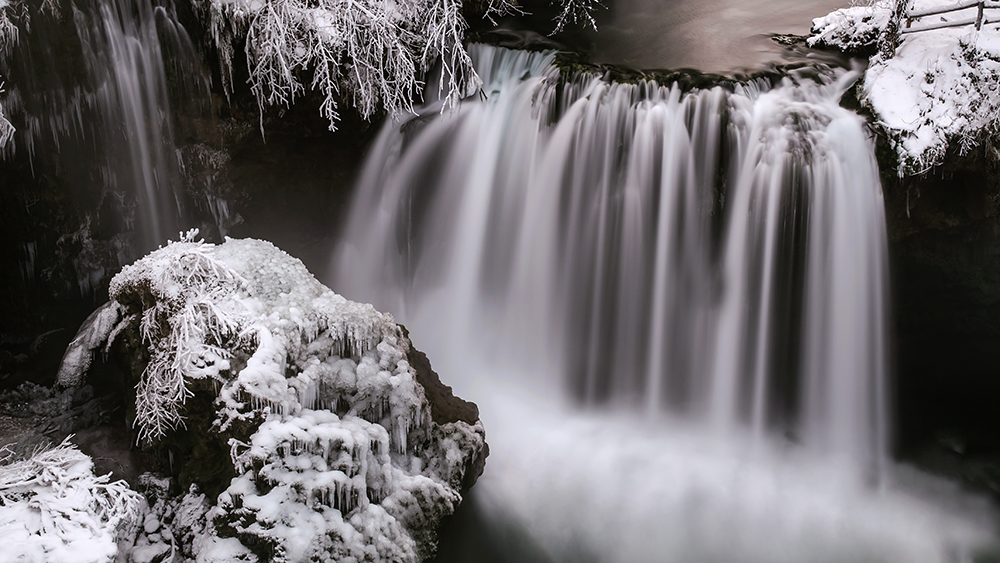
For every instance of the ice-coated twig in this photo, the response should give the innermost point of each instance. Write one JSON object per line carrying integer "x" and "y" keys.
{"x": 577, "y": 12}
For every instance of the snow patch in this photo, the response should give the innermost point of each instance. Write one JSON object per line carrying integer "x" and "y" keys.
{"x": 851, "y": 29}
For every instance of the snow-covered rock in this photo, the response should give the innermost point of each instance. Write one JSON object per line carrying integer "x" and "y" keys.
{"x": 936, "y": 93}
{"x": 854, "y": 29}
{"x": 336, "y": 451}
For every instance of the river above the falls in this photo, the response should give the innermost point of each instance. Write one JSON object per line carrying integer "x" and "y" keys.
{"x": 717, "y": 36}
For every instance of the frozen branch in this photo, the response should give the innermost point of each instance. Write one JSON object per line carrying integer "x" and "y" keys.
{"x": 577, "y": 12}
{"x": 372, "y": 53}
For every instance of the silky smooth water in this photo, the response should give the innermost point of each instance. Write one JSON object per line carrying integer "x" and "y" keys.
{"x": 110, "y": 102}
{"x": 670, "y": 307}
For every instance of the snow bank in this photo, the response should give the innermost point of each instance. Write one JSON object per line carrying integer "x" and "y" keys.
{"x": 331, "y": 438}
{"x": 53, "y": 508}
{"x": 938, "y": 91}
{"x": 373, "y": 53}
{"x": 853, "y": 29}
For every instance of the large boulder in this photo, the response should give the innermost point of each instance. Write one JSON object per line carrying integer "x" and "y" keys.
{"x": 302, "y": 414}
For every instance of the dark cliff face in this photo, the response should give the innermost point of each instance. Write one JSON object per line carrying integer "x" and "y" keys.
{"x": 944, "y": 247}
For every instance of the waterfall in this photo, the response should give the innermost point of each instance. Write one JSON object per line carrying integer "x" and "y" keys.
{"x": 94, "y": 81}
{"x": 669, "y": 304}
{"x": 717, "y": 253}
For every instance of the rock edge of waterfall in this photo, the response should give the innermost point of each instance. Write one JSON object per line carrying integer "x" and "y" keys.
{"x": 299, "y": 425}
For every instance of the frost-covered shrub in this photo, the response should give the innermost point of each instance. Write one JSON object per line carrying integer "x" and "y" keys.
{"x": 330, "y": 433}
{"x": 53, "y": 508}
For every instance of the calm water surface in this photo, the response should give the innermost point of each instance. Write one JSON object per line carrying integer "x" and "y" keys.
{"x": 709, "y": 35}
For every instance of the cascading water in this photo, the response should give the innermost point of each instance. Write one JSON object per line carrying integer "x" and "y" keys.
{"x": 706, "y": 269}
{"x": 124, "y": 44}
{"x": 93, "y": 81}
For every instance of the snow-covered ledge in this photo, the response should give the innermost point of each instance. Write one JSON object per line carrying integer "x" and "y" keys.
{"x": 936, "y": 92}
{"x": 334, "y": 450}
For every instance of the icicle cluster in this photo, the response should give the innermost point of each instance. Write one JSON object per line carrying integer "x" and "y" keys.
{"x": 55, "y": 509}
{"x": 98, "y": 331}
{"x": 326, "y": 460}
{"x": 6, "y": 129}
{"x": 332, "y": 481}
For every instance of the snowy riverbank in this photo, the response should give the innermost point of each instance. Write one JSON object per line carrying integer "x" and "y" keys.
{"x": 936, "y": 93}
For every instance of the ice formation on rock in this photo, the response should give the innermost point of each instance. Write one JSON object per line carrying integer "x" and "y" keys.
{"x": 331, "y": 436}
{"x": 53, "y": 508}
{"x": 96, "y": 331}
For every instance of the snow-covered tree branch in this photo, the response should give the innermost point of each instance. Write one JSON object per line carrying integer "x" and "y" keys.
{"x": 374, "y": 53}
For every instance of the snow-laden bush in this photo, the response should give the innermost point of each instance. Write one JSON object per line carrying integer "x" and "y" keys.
{"x": 330, "y": 433}
{"x": 53, "y": 508}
